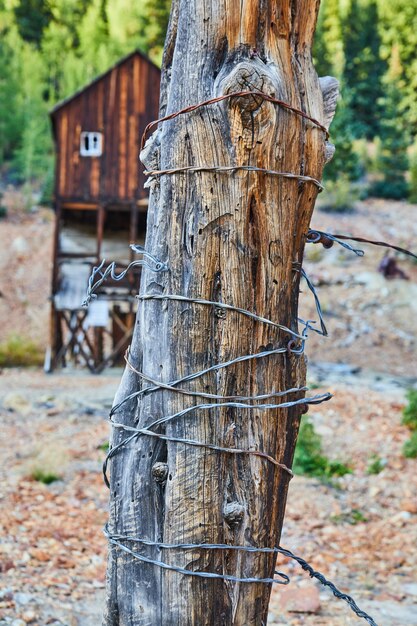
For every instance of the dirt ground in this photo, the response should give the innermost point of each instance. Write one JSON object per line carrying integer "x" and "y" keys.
{"x": 360, "y": 531}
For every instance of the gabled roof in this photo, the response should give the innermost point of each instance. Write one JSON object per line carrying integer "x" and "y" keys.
{"x": 97, "y": 79}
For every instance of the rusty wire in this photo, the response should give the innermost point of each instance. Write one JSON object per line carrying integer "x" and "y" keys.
{"x": 219, "y": 169}
{"x": 227, "y": 96}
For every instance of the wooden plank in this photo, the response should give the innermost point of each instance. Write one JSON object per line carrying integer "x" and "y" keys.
{"x": 122, "y": 124}
{"x": 62, "y": 135}
{"x": 112, "y": 164}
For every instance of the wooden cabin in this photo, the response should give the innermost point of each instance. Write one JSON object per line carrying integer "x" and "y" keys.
{"x": 100, "y": 205}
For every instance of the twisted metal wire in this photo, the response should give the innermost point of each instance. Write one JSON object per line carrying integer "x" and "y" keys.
{"x": 187, "y": 572}
{"x": 312, "y": 288}
{"x": 116, "y": 540}
{"x": 228, "y": 96}
{"x": 317, "y": 399}
{"x": 219, "y": 305}
{"x": 233, "y": 168}
{"x": 155, "y": 266}
{"x": 202, "y": 394}
{"x": 319, "y": 236}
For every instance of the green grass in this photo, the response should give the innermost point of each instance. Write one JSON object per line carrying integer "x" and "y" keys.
{"x": 375, "y": 465}
{"x": 19, "y": 351}
{"x": 309, "y": 459}
{"x": 410, "y": 420}
{"x": 104, "y": 446}
{"x": 353, "y": 517}
{"x": 44, "y": 477}
{"x": 410, "y": 411}
{"x": 410, "y": 446}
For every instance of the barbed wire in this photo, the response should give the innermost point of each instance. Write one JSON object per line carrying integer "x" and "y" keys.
{"x": 117, "y": 539}
{"x": 228, "y": 96}
{"x": 295, "y": 346}
{"x": 317, "y": 399}
{"x": 219, "y": 169}
{"x": 327, "y": 239}
{"x": 110, "y": 271}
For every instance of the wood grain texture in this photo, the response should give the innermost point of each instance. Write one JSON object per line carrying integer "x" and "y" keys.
{"x": 232, "y": 238}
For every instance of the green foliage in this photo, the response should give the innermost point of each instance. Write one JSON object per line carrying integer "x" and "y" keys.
{"x": 375, "y": 465}
{"x": 309, "y": 458}
{"x": 32, "y": 17}
{"x": 364, "y": 66}
{"x": 51, "y": 48}
{"x": 328, "y": 41}
{"x": 410, "y": 411}
{"x": 44, "y": 477}
{"x": 339, "y": 196}
{"x": 398, "y": 29}
{"x": 410, "y": 420}
{"x": 412, "y": 188}
{"x": 392, "y": 160}
{"x": 410, "y": 447}
{"x": 104, "y": 446}
{"x": 19, "y": 351}
{"x": 345, "y": 162}
{"x": 353, "y": 517}
{"x": 10, "y": 111}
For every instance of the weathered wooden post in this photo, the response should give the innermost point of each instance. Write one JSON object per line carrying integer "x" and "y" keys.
{"x": 233, "y": 233}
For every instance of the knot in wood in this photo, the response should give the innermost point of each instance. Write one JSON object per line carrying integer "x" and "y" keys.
{"x": 247, "y": 76}
{"x": 220, "y": 313}
{"x": 233, "y": 513}
{"x": 160, "y": 472}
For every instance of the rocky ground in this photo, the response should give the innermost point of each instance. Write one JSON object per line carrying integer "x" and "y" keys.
{"x": 360, "y": 531}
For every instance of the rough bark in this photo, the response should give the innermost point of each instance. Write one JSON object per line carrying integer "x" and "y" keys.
{"x": 234, "y": 238}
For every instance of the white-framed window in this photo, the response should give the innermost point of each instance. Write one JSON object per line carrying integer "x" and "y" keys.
{"x": 91, "y": 144}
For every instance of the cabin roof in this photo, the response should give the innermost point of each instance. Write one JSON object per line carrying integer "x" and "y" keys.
{"x": 98, "y": 78}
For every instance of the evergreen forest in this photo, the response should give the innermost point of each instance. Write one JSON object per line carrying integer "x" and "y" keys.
{"x": 51, "y": 48}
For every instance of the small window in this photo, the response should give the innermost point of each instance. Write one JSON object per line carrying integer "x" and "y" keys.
{"x": 91, "y": 144}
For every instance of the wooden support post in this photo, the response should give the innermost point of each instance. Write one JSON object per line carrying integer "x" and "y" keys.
{"x": 101, "y": 216}
{"x": 234, "y": 237}
{"x": 55, "y": 331}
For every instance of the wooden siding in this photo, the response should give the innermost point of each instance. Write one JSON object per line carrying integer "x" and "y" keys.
{"x": 118, "y": 104}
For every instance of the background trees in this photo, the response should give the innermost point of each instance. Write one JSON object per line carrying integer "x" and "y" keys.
{"x": 49, "y": 48}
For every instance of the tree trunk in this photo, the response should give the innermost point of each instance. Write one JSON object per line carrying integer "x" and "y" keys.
{"x": 234, "y": 237}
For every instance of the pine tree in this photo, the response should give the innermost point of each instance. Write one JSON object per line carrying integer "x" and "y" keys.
{"x": 328, "y": 41}
{"x": 345, "y": 161}
{"x": 392, "y": 159}
{"x": 32, "y": 17}
{"x": 398, "y": 28}
{"x": 10, "y": 84}
{"x": 32, "y": 158}
{"x": 364, "y": 67}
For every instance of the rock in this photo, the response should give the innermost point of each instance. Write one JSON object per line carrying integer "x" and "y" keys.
{"x": 411, "y": 589}
{"x": 20, "y": 245}
{"x": 29, "y": 616}
{"x": 22, "y": 598}
{"x": 18, "y": 622}
{"x": 6, "y": 594}
{"x": 17, "y": 403}
{"x": 306, "y": 600}
{"x": 410, "y": 506}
